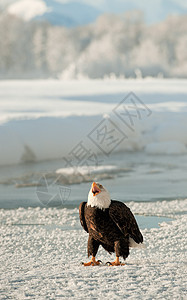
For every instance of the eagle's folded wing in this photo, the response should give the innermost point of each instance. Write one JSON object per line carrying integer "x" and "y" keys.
{"x": 124, "y": 219}
{"x": 81, "y": 215}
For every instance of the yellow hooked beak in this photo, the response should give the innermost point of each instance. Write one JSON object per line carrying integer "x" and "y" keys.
{"x": 95, "y": 189}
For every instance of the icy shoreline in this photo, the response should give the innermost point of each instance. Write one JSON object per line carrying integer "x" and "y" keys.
{"x": 43, "y": 262}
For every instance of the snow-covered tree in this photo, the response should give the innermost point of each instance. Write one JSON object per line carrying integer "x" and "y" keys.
{"x": 119, "y": 44}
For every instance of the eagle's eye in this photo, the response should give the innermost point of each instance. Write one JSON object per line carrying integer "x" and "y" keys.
{"x": 100, "y": 186}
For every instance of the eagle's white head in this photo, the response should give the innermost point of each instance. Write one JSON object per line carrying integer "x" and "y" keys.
{"x": 98, "y": 196}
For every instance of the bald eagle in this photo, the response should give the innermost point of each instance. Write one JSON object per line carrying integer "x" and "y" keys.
{"x": 109, "y": 223}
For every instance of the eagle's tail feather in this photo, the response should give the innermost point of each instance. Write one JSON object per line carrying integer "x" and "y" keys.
{"x": 137, "y": 236}
{"x": 133, "y": 244}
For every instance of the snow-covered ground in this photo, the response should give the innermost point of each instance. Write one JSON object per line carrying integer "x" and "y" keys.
{"x": 41, "y": 251}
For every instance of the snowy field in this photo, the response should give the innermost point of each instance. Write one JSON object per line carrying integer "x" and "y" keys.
{"x": 41, "y": 251}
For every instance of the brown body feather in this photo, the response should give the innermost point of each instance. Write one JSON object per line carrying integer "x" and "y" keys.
{"x": 110, "y": 228}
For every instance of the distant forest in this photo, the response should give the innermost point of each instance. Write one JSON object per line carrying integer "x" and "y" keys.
{"x": 115, "y": 45}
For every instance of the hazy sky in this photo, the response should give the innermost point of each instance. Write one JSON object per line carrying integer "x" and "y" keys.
{"x": 154, "y": 10}
{"x": 111, "y": 3}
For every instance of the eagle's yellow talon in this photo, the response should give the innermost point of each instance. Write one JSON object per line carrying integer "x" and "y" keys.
{"x": 116, "y": 263}
{"x": 92, "y": 262}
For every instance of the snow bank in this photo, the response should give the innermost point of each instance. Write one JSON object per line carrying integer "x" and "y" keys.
{"x": 85, "y": 170}
{"x": 42, "y": 120}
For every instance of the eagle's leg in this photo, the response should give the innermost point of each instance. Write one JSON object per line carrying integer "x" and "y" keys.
{"x": 93, "y": 246}
{"x": 121, "y": 248}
